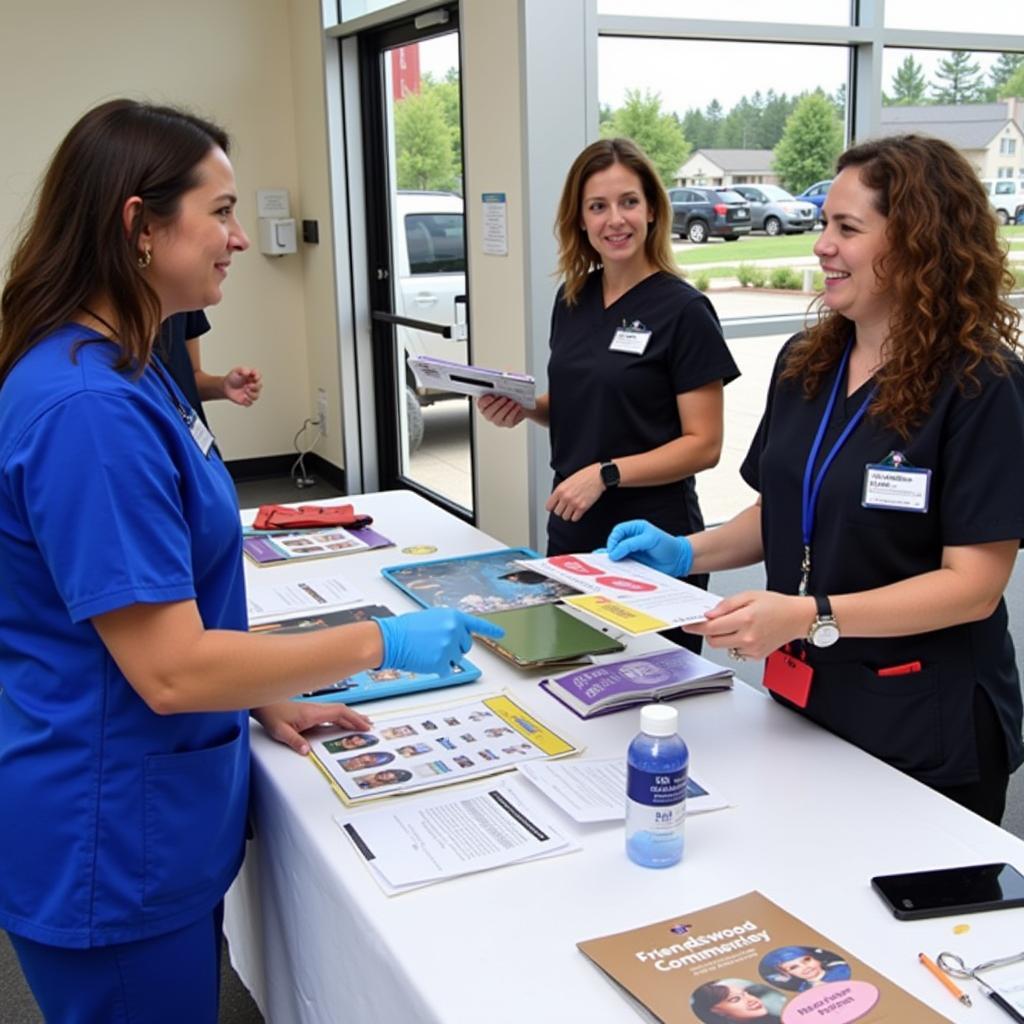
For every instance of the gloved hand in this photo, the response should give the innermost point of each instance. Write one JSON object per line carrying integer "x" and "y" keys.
{"x": 430, "y": 641}
{"x": 641, "y": 540}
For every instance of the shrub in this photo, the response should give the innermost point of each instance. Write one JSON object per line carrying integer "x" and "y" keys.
{"x": 819, "y": 281}
{"x": 750, "y": 277}
{"x": 785, "y": 277}
{"x": 702, "y": 282}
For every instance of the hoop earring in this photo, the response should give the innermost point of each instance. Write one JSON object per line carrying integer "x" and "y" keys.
{"x": 144, "y": 259}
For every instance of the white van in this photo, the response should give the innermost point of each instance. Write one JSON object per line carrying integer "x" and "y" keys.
{"x": 1005, "y": 195}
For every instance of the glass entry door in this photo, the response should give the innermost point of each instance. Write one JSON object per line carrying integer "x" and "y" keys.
{"x": 417, "y": 248}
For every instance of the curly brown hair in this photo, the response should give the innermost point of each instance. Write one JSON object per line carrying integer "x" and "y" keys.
{"x": 945, "y": 270}
{"x": 576, "y": 256}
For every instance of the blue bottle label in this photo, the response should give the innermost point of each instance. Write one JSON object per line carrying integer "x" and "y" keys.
{"x": 656, "y": 789}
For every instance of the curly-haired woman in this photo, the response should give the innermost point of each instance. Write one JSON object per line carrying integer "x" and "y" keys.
{"x": 890, "y": 508}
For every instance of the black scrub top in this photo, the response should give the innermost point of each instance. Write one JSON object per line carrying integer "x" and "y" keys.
{"x": 606, "y": 405}
{"x": 921, "y": 723}
{"x": 170, "y": 347}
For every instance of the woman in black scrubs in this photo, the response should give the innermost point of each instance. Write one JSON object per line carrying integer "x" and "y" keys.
{"x": 637, "y": 363}
{"x": 891, "y": 508}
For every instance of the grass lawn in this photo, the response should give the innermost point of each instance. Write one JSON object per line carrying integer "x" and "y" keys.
{"x": 751, "y": 248}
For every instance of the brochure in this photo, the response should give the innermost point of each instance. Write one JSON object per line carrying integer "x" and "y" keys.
{"x": 544, "y": 635}
{"x": 463, "y": 379}
{"x": 425, "y": 747}
{"x": 290, "y": 546}
{"x": 266, "y": 601}
{"x": 493, "y": 581}
{"x": 593, "y": 789}
{"x": 433, "y": 838}
{"x": 614, "y": 685}
{"x": 373, "y": 684}
{"x": 749, "y": 954}
{"x": 626, "y": 594}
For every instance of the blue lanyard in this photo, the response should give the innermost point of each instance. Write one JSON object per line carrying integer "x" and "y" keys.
{"x": 811, "y": 490}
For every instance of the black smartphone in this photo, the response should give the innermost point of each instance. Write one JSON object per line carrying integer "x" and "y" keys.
{"x": 965, "y": 890}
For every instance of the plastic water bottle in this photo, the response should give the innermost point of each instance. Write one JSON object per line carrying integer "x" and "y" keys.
{"x": 657, "y": 767}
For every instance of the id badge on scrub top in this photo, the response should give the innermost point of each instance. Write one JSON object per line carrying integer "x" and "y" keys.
{"x": 788, "y": 676}
{"x": 630, "y": 339}
{"x": 200, "y": 434}
{"x": 895, "y": 484}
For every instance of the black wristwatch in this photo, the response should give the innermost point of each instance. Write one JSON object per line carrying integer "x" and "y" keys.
{"x": 824, "y": 631}
{"x": 610, "y": 474}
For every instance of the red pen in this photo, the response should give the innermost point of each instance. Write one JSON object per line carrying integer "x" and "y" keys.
{"x": 900, "y": 670}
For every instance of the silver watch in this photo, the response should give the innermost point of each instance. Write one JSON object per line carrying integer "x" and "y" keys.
{"x": 824, "y": 631}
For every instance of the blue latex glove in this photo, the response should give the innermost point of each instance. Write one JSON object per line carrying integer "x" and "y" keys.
{"x": 647, "y": 544}
{"x": 430, "y": 641}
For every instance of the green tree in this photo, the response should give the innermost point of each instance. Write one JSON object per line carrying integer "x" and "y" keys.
{"x": 741, "y": 128}
{"x": 1014, "y": 85}
{"x": 658, "y": 134}
{"x": 777, "y": 108}
{"x": 1007, "y": 66}
{"x": 909, "y": 85}
{"x": 812, "y": 140}
{"x": 698, "y": 130}
{"x": 447, "y": 91}
{"x": 959, "y": 79}
{"x": 423, "y": 143}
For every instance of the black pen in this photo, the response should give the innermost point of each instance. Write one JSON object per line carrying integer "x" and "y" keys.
{"x": 1000, "y": 1001}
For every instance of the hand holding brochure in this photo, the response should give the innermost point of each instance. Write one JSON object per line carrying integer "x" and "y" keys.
{"x": 614, "y": 685}
{"x": 463, "y": 379}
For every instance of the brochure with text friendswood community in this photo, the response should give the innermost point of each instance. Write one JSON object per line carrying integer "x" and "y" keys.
{"x": 274, "y": 548}
{"x": 614, "y": 685}
{"x": 428, "y": 746}
{"x": 626, "y": 594}
{"x": 748, "y": 959}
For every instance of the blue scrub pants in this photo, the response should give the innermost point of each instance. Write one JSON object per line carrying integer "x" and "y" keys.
{"x": 169, "y": 979}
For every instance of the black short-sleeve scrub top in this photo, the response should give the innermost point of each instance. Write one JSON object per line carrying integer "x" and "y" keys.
{"x": 606, "y": 404}
{"x": 920, "y": 722}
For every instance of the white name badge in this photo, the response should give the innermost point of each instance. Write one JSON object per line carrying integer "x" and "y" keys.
{"x": 200, "y": 434}
{"x": 904, "y": 489}
{"x": 633, "y": 342}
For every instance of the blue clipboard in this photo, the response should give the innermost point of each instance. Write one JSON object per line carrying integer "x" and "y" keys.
{"x": 490, "y": 581}
{"x": 376, "y": 684}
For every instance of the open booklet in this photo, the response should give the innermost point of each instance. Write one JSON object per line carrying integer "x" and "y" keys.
{"x": 614, "y": 685}
{"x": 424, "y": 747}
{"x": 747, "y": 953}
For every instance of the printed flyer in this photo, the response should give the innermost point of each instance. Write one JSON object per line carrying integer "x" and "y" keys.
{"x": 747, "y": 959}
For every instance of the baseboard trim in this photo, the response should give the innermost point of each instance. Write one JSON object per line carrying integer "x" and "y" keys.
{"x": 280, "y": 465}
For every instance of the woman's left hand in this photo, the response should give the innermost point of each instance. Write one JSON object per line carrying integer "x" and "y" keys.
{"x": 288, "y": 720}
{"x": 756, "y": 622}
{"x": 242, "y": 385}
{"x": 576, "y": 493}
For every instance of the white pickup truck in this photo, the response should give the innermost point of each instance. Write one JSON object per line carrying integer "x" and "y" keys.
{"x": 1005, "y": 195}
{"x": 429, "y": 248}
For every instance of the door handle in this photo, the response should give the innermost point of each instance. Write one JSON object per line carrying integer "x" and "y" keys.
{"x": 426, "y": 299}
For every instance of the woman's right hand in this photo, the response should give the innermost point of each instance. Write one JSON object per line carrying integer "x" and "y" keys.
{"x": 501, "y": 410}
{"x": 429, "y": 641}
{"x": 643, "y": 541}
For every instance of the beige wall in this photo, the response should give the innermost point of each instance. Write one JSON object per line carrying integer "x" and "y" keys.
{"x": 230, "y": 60}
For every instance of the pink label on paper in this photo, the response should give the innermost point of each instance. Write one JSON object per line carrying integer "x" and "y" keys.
{"x": 570, "y": 563}
{"x": 838, "y": 1002}
{"x": 624, "y": 583}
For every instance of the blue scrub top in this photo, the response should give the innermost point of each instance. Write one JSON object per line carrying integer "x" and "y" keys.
{"x": 117, "y": 823}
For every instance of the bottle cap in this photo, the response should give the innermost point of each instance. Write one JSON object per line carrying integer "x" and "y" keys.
{"x": 659, "y": 719}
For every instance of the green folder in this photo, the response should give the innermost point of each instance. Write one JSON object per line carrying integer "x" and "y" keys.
{"x": 542, "y": 635}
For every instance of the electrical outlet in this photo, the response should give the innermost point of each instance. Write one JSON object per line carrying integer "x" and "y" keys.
{"x": 321, "y": 410}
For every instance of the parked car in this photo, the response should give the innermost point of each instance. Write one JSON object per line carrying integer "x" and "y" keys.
{"x": 774, "y": 211}
{"x": 1005, "y": 195}
{"x": 816, "y": 194}
{"x": 429, "y": 247}
{"x": 700, "y": 213}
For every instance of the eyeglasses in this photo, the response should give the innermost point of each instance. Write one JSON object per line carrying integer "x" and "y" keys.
{"x": 954, "y": 965}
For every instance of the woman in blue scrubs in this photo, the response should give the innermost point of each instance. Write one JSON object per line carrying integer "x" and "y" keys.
{"x": 891, "y": 508}
{"x": 124, "y": 656}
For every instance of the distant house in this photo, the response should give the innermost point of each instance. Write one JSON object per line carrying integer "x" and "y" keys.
{"x": 728, "y": 167}
{"x": 990, "y": 135}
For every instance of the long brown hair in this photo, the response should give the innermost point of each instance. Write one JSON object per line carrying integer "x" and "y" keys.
{"x": 75, "y": 246}
{"x": 576, "y": 256}
{"x": 945, "y": 269}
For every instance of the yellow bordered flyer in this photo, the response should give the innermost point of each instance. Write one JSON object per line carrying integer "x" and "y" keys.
{"x": 427, "y": 746}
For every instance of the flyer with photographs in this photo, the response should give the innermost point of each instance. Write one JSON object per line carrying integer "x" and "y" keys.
{"x": 274, "y": 548}
{"x": 747, "y": 959}
{"x": 425, "y": 747}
